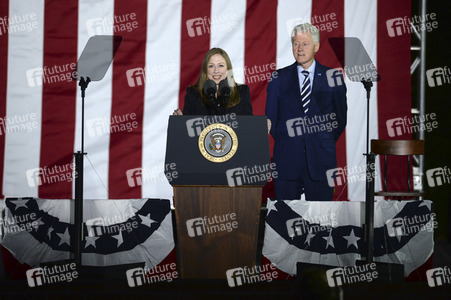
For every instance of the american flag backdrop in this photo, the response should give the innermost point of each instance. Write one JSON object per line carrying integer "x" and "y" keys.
{"x": 127, "y": 112}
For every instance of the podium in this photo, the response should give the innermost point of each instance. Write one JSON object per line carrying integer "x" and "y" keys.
{"x": 221, "y": 164}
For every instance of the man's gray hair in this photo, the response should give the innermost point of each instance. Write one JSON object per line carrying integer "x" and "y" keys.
{"x": 306, "y": 27}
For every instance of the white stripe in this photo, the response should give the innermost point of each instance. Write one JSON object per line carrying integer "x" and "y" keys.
{"x": 305, "y": 87}
{"x": 227, "y": 32}
{"x": 161, "y": 91}
{"x": 363, "y": 27}
{"x": 289, "y": 14}
{"x": 95, "y": 18}
{"x": 24, "y": 97}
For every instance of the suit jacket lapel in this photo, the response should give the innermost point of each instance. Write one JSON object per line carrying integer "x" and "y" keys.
{"x": 318, "y": 78}
{"x": 295, "y": 79}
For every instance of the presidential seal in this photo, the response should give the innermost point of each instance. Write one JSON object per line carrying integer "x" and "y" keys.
{"x": 218, "y": 143}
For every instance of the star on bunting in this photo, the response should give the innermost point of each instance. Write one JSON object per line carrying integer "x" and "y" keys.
{"x": 352, "y": 239}
{"x": 309, "y": 237}
{"x": 20, "y": 203}
{"x": 119, "y": 238}
{"x": 91, "y": 241}
{"x": 426, "y": 203}
{"x": 147, "y": 220}
{"x": 329, "y": 240}
{"x": 65, "y": 237}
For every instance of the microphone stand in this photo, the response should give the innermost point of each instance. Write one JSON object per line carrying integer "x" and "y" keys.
{"x": 214, "y": 102}
{"x": 79, "y": 166}
{"x": 369, "y": 191}
{"x": 222, "y": 102}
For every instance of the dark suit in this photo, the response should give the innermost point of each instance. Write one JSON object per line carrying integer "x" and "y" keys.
{"x": 304, "y": 152}
{"x": 194, "y": 106}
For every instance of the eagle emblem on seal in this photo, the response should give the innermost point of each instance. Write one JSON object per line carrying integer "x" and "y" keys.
{"x": 217, "y": 142}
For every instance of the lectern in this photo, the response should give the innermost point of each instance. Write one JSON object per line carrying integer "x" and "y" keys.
{"x": 222, "y": 163}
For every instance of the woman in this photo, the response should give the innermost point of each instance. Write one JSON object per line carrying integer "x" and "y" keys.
{"x": 216, "y": 66}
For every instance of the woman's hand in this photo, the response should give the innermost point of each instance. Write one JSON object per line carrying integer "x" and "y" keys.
{"x": 269, "y": 125}
{"x": 177, "y": 112}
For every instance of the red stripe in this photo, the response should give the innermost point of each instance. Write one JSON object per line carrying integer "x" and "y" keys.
{"x": 329, "y": 17}
{"x": 419, "y": 274}
{"x": 4, "y": 11}
{"x": 394, "y": 91}
{"x": 128, "y": 101}
{"x": 58, "y": 98}
{"x": 194, "y": 47}
{"x": 280, "y": 275}
{"x": 260, "y": 57}
{"x": 260, "y": 52}
{"x": 12, "y": 266}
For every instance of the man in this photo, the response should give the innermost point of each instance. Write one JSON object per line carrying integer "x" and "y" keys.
{"x": 308, "y": 116}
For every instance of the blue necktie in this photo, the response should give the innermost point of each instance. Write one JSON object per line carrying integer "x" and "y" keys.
{"x": 306, "y": 91}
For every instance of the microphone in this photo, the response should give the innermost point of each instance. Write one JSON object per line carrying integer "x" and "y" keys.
{"x": 225, "y": 90}
{"x": 210, "y": 90}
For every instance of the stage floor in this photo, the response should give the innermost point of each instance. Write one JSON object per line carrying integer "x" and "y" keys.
{"x": 107, "y": 286}
{"x": 103, "y": 286}
{"x": 219, "y": 289}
